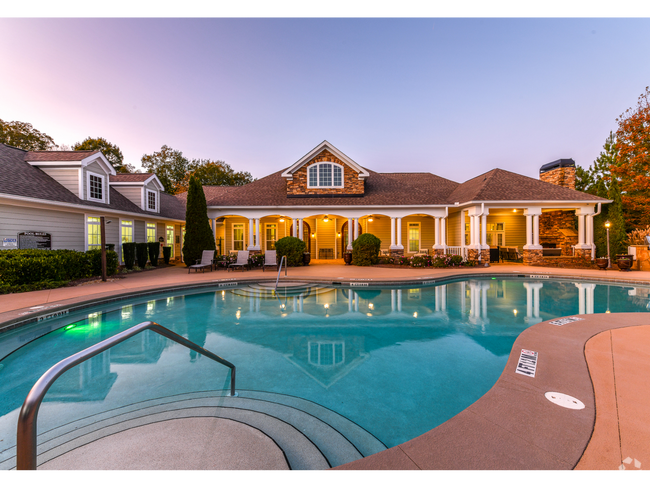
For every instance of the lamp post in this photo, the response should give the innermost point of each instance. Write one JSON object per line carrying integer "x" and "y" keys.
{"x": 609, "y": 259}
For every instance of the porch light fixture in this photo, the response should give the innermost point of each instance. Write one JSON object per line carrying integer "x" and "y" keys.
{"x": 313, "y": 235}
{"x": 281, "y": 219}
{"x": 339, "y": 234}
{"x": 370, "y": 219}
{"x": 326, "y": 219}
{"x": 514, "y": 209}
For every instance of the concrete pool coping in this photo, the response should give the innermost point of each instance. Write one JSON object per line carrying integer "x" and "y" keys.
{"x": 512, "y": 426}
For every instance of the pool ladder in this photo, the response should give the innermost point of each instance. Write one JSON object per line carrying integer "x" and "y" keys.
{"x": 283, "y": 260}
{"x": 26, "y": 435}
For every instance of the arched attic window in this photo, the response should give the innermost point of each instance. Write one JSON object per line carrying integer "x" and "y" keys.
{"x": 325, "y": 175}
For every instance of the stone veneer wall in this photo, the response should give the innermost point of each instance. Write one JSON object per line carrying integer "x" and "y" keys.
{"x": 472, "y": 255}
{"x": 565, "y": 177}
{"x": 582, "y": 259}
{"x": 550, "y": 224}
{"x": 352, "y": 185}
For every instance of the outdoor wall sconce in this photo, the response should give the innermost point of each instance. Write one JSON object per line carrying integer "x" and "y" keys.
{"x": 326, "y": 219}
{"x": 281, "y": 219}
{"x": 339, "y": 234}
{"x": 370, "y": 219}
{"x": 313, "y": 235}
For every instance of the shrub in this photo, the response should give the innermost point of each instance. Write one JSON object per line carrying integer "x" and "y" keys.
{"x": 637, "y": 236}
{"x": 456, "y": 260}
{"x": 198, "y": 234}
{"x": 128, "y": 254}
{"x": 141, "y": 252}
{"x": 167, "y": 254}
{"x": 291, "y": 247}
{"x": 421, "y": 261}
{"x": 385, "y": 260}
{"x": 25, "y": 266}
{"x": 402, "y": 260}
{"x": 256, "y": 260}
{"x": 95, "y": 260}
{"x": 365, "y": 250}
{"x": 154, "y": 251}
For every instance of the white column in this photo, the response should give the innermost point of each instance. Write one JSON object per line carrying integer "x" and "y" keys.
{"x": 399, "y": 300}
{"x": 350, "y": 221}
{"x": 356, "y": 229}
{"x": 393, "y": 300}
{"x": 443, "y": 298}
{"x": 535, "y": 230}
{"x": 463, "y": 296}
{"x": 484, "y": 290}
{"x": 392, "y": 232}
{"x": 472, "y": 232}
{"x": 581, "y": 230}
{"x": 300, "y": 302}
{"x": 399, "y": 234}
{"x": 251, "y": 226}
{"x": 484, "y": 232}
{"x": 214, "y": 232}
{"x": 300, "y": 234}
{"x": 437, "y": 292}
{"x": 437, "y": 233}
{"x": 294, "y": 231}
{"x": 581, "y": 298}
{"x": 350, "y": 300}
{"x": 257, "y": 234}
{"x": 443, "y": 233}
{"x": 462, "y": 229}
{"x": 356, "y": 301}
{"x": 529, "y": 231}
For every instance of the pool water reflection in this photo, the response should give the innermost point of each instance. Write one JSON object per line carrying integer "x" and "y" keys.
{"x": 398, "y": 362}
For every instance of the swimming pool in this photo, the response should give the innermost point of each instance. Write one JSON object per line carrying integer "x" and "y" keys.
{"x": 397, "y": 362}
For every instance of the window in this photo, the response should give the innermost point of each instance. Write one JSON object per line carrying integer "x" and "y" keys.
{"x": 326, "y": 353}
{"x": 151, "y": 201}
{"x": 414, "y": 237}
{"x": 151, "y": 232}
{"x": 95, "y": 187}
{"x": 238, "y": 237}
{"x": 170, "y": 238}
{"x": 325, "y": 175}
{"x": 94, "y": 233}
{"x": 127, "y": 231}
{"x": 496, "y": 235}
{"x": 271, "y": 236}
{"x": 467, "y": 233}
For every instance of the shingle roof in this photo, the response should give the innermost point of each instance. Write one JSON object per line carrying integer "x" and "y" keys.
{"x": 130, "y": 177}
{"x": 502, "y": 185}
{"x": 401, "y": 189}
{"x": 58, "y": 155}
{"x": 19, "y": 178}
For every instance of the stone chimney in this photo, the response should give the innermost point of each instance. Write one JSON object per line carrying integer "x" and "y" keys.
{"x": 561, "y": 172}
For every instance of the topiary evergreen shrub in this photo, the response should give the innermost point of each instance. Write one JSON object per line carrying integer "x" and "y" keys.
{"x": 128, "y": 254}
{"x": 198, "y": 234}
{"x": 154, "y": 252}
{"x": 291, "y": 247}
{"x": 95, "y": 260}
{"x": 141, "y": 253}
{"x": 365, "y": 250}
{"x": 167, "y": 254}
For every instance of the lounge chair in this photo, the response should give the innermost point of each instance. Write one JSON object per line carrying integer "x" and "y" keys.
{"x": 242, "y": 261}
{"x": 270, "y": 259}
{"x": 206, "y": 261}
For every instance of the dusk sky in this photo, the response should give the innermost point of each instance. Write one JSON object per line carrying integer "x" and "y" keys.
{"x": 455, "y": 97}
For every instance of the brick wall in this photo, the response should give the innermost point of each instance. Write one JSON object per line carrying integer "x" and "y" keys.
{"x": 565, "y": 177}
{"x": 352, "y": 185}
{"x": 550, "y": 224}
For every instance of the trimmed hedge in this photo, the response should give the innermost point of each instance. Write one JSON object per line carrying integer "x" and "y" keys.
{"x": 167, "y": 254}
{"x": 128, "y": 254}
{"x": 291, "y": 247}
{"x": 35, "y": 269}
{"x": 365, "y": 250}
{"x": 141, "y": 253}
{"x": 154, "y": 252}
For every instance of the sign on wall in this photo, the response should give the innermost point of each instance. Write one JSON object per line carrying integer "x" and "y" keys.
{"x": 10, "y": 242}
{"x": 34, "y": 240}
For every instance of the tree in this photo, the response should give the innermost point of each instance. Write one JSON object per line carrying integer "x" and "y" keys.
{"x": 175, "y": 171}
{"x": 214, "y": 173}
{"x": 198, "y": 234}
{"x": 169, "y": 166}
{"x": 110, "y": 151}
{"x": 633, "y": 168}
{"x": 23, "y": 136}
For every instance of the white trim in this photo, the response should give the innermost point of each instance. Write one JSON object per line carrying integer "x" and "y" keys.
{"x": 86, "y": 217}
{"x": 146, "y": 228}
{"x": 266, "y": 226}
{"x": 146, "y": 200}
{"x": 152, "y": 179}
{"x": 318, "y": 186}
{"x": 104, "y": 187}
{"x": 81, "y": 184}
{"x": 232, "y": 235}
{"x": 408, "y": 238}
{"x": 314, "y": 152}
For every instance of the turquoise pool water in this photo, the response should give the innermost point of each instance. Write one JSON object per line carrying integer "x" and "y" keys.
{"x": 398, "y": 362}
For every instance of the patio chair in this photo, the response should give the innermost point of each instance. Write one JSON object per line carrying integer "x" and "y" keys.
{"x": 206, "y": 261}
{"x": 270, "y": 259}
{"x": 503, "y": 253}
{"x": 242, "y": 261}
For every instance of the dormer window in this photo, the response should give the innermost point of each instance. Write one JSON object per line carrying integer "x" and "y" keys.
{"x": 152, "y": 203}
{"x": 95, "y": 187}
{"x": 325, "y": 175}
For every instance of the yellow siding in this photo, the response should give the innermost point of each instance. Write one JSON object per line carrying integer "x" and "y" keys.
{"x": 379, "y": 227}
{"x": 453, "y": 230}
{"x": 427, "y": 232}
{"x": 515, "y": 228}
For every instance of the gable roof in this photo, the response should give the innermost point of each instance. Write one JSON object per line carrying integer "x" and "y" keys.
{"x": 502, "y": 185}
{"x": 19, "y": 178}
{"x": 288, "y": 173}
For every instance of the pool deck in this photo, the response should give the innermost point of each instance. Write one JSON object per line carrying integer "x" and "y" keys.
{"x": 602, "y": 360}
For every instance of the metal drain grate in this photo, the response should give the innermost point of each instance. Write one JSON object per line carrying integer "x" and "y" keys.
{"x": 563, "y": 400}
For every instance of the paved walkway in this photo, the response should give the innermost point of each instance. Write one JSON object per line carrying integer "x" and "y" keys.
{"x": 506, "y": 434}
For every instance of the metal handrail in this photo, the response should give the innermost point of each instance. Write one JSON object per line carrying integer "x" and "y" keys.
{"x": 283, "y": 260}
{"x": 26, "y": 435}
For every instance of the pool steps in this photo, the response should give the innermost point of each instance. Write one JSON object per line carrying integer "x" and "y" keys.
{"x": 311, "y": 436}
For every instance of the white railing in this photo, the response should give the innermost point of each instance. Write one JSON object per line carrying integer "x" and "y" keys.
{"x": 457, "y": 251}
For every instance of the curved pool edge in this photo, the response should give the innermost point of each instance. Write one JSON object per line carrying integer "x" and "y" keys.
{"x": 23, "y": 316}
{"x": 513, "y": 426}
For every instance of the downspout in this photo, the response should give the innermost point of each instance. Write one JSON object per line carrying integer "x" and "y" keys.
{"x": 446, "y": 225}
{"x": 593, "y": 244}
